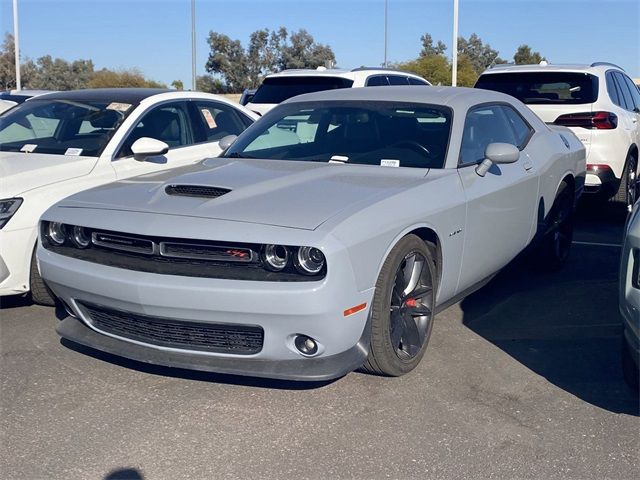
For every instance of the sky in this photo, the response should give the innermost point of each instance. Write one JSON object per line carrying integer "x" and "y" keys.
{"x": 155, "y": 35}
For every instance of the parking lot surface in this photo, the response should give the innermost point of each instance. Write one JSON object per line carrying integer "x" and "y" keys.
{"x": 521, "y": 380}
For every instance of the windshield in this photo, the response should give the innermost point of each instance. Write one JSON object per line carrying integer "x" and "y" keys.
{"x": 61, "y": 127}
{"x": 543, "y": 87}
{"x": 368, "y": 133}
{"x": 278, "y": 89}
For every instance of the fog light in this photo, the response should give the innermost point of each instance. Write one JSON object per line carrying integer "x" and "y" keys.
{"x": 306, "y": 345}
{"x": 55, "y": 233}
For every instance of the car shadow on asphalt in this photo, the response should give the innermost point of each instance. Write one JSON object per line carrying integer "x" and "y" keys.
{"x": 196, "y": 375}
{"x": 564, "y": 325}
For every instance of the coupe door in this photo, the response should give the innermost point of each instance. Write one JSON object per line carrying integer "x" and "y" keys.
{"x": 501, "y": 206}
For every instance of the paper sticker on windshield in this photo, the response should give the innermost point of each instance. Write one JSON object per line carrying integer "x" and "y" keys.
{"x": 208, "y": 118}
{"x": 73, "y": 151}
{"x": 389, "y": 163}
{"x": 119, "y": 107}
{"x": 28, "y": 147}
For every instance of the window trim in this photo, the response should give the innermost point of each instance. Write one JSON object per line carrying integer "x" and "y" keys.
{"x": 532, "y": 130}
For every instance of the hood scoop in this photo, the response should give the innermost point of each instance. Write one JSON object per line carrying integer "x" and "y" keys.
{"x": 199, "y": 191}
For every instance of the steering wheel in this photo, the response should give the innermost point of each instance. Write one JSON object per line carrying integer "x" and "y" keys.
{"x": 413, "y": 145}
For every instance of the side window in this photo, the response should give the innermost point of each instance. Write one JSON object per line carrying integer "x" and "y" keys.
{"x": 217, "y": 120}
{"x": 377, "y": 81}
{"x": 397, "y": 80}
{"x": 415, "y": 81}
{"x": 521, "y": 128}
{"x": 484, "y": 125}
{"x": 167, "y": 123}
{"x": 627, "y": 101}
{"x": 612, "y": 89}
{"x": 635, "y": 93}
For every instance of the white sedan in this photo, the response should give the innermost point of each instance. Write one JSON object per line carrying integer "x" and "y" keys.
{"x": 62, "y": 143}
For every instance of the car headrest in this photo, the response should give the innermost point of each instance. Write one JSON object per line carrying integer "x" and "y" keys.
{"x": 105, "y": 119}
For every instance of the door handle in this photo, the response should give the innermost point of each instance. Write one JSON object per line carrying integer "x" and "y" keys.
{"x": 528, "y": 166}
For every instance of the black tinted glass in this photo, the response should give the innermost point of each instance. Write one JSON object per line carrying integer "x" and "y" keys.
{"x": 543, "y": 87}
{"x": 278, "y": 89}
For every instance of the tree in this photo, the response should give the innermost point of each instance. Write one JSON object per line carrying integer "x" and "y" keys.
{"x": 267, "y": 52}
{"x": 122, "y": 78}
{"x": 524, "y": 56}
{"x": 177, "y": 84}
{"x": 209, "y": 84}
{"x": 437, "y": 69}
{"x": 427, "y": 46}
{"x": 58, "y": 74}
{"x": 480, "y": 55}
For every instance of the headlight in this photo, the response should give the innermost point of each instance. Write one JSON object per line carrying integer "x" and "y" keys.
{"x": 309, "y": 260}
{"x": 55, "y": 233}
{"x": 81, "y": 237}
{"x": 275, "y": 257}
{"x": 8, "y": 207}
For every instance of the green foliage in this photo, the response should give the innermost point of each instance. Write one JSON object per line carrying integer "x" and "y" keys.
{"x": 209, "y": 84}
{"x": 49, "y": 73}
{"x": 177, "y": 84}
{"x": 481, "y": 55}
{"x": 427, "y": 46}
{"x": 437, "y": 69}
{"x": 524, "y": 56}
{"x": 268, "y": 52}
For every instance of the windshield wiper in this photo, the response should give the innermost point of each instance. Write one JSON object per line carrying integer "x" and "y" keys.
{"x": 237, "y": 155}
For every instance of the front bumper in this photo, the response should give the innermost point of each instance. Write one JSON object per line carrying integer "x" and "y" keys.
{"x": 281, "y": 309}
{"x": 16, "y": 249}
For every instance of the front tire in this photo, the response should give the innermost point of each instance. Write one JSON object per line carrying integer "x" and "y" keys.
{"x": 403, "y": 309}
{"x": 40, "y": 293}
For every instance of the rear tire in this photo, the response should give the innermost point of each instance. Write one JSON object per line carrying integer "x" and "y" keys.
{"x": 628, "y": 190}
{"x": 556, "y": 244}
{"x": 403, "y": 309}
{"x": 40, "y": 293}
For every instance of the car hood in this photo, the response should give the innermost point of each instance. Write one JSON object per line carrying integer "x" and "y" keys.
{"x": 21, "y": 172}
{"x": 271, "y": 192}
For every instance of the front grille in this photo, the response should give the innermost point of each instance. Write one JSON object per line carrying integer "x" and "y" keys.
{"x": 165, "y": 332}
{"x": 201, "y": 191}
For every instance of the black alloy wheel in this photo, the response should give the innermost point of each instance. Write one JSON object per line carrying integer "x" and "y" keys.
{"x": 403, "y": 308}
{"x": 556, "y": 243}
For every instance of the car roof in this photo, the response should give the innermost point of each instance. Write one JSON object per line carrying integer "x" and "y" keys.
{"x": 594, "y": 67}
{"x": 124, "y": 95}
{"x": 455, "y": 97}
{"x": 337, "y": 72}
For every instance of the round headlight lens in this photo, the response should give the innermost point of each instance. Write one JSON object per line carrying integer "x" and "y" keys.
{"x": 309, "y": 260}
{"x": 81, "y": 237}
{"x": 275, "y": 257}
{"x": 55, "y": 233}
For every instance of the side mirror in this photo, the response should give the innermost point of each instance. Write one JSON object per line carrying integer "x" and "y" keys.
{"x": 148, "y": 147}
{"x": 497, "y": 153}
{"x": 226, "y": 142}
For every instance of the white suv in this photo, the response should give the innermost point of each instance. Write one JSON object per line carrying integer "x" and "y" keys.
{"x": 599, "y": 102}
{"x": 278, "y": 87}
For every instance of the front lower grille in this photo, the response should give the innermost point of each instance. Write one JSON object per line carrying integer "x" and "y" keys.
{"x": 186, "y": 335}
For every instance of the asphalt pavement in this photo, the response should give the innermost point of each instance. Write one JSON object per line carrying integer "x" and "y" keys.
{"x": 521, "y": 380}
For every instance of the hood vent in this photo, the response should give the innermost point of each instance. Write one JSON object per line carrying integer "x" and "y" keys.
{"x": 200, "y": 191}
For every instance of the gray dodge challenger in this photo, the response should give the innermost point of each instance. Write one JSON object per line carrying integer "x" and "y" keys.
{"x": 324, "y": 239}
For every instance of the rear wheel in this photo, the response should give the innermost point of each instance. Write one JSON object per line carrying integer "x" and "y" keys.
{"x": 556, "y": 243}
{"x": 40, "y": 293}
{"x": 628, "y": 190}
{"x": 403, "y": 309}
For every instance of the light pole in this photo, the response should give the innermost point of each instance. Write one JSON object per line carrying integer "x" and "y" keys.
{"x": 16, "y": 44}
{"x": 454, "y": 49}
{"x": 386, "y": 10}
{"x": 193, "y": 44}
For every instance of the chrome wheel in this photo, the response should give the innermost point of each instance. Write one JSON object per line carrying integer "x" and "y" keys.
{"x": 410, "y": 311}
